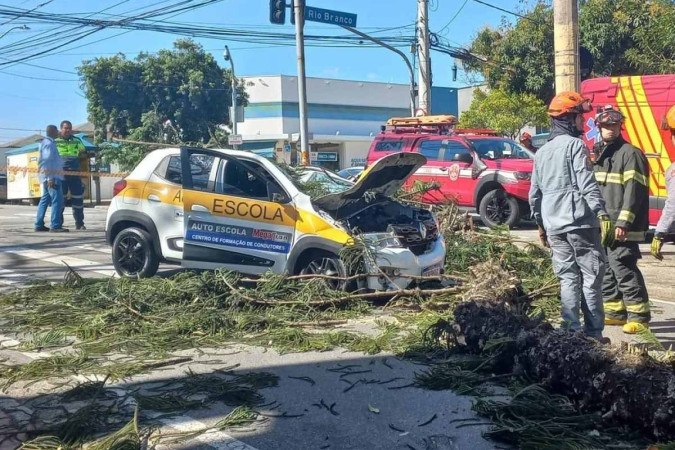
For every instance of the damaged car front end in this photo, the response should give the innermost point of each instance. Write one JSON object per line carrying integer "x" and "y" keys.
{"x": 401, "y": 242}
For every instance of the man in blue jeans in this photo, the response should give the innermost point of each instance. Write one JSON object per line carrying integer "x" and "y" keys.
{"x": 50, "y": 169}
{"x": 568, "y": 207}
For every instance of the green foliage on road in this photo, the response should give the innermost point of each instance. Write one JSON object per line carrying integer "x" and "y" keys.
{"x": 625, "y": 37}
{"x": 117, "y": 328}
{"x": 505, "y": 112}
{"x": 175, "y": 96}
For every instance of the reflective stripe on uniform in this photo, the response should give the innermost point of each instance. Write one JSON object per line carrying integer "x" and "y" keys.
{"x": 616, "y": 306}
{"x": 634, "y": 175}
{"x": 620, "y": 178}
{"x": 607, "y": 177}
{"x": 637, "y": 308}
{"x": 77, "y": 196}
{"x": 626, "y": 215}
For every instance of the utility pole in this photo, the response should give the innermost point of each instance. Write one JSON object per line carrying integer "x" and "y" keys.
{"x": 299, "y": 6}
{"x": 233, "y": 114}
{"x": 566, "y": 45}
{"x": 398, "y": 52}
{"x": 424, "y": 72}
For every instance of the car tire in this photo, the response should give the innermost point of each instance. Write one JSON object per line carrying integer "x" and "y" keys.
{"x": 499, "y": 208}
{"x": 325, "y": 263}
{"x": 133, "y": 254}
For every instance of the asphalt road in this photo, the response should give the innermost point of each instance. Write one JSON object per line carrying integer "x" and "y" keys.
{"x": 26, "y": 255}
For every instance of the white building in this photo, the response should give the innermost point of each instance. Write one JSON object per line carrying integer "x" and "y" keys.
{"x": 343, "y": 116}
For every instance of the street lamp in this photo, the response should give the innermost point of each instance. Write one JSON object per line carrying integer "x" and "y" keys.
{"x": 233, "y": 113}
{"x": 22, "y": 27}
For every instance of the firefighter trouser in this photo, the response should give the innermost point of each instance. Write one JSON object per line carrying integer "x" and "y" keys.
{"x": 624, "y": 290}
{"x": 579, "y": 262}
{"x": 73, "y": 184}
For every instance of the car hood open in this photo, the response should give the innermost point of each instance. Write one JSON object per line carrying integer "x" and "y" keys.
{"x": 383, "y": 178}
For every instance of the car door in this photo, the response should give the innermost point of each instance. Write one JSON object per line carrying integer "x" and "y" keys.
{"x": 162, "y": 203}
{"x": 457, "y": 161}
{"x": 434, "y": 171}
{"x": 236, "y": 215}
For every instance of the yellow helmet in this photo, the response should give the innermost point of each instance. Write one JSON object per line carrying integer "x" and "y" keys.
{"x": 670, "y": 118}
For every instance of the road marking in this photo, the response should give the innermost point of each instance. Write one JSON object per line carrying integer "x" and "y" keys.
{"x": 76, "y": 263}
{"x": 96, "y": 248}
{"x": 671, "y": 303}
{"x": 9, "y": 277}
{"x": 215, "y": 439}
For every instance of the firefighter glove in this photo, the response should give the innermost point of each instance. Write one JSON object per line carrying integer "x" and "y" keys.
{"x": 543, "y": 237}
{"x": 606, "y": 231}
{"x": 657, "y": 243}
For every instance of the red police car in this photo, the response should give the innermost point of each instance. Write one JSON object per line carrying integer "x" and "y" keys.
{"x": 473, "y": 168}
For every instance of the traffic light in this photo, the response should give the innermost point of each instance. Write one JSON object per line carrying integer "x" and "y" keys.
{"x": 278, "y": 11}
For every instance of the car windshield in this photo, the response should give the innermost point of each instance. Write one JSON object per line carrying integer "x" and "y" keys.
{"x": 500, "y": 148}
{"x": 315, "y": 182}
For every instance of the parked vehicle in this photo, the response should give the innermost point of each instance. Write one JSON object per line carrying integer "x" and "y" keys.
{"x": 477, "y": 169}
{"x": 351, "y": 173}
{"x": 206, "y": 208}
{"x": 644, "y": 101}
{"x": 330, "y": 180}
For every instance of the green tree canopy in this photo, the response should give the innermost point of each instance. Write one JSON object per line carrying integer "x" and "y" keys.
{"x": 175, "y": 96}
{"x": 184, "y": 85}
{"x": 505, "y": 112}
{"x": 625, "y": 37}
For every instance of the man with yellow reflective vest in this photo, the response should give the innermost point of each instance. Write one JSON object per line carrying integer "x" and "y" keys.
{"x": 71, "y": 150}
{"x": 622, "y": 173}
{"x": 667, "y": 221}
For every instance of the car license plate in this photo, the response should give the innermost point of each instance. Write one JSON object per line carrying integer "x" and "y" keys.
{"x": 432, "y": 271}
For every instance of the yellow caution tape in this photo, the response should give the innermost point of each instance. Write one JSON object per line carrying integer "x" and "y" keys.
{"x": 24, "y": 170}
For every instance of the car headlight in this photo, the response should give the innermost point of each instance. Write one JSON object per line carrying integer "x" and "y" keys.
{"x": 382, "y": 240}
{"x": 522, "y": 175}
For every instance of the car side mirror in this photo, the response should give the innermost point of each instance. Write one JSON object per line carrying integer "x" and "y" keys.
{"x": 463, "y": 158}
{"x": 275, "y": 195}
{"x": 279, "y": 197}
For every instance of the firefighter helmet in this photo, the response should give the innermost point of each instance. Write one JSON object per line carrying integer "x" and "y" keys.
{"x": 670, "y": 118}
{"x": 609, "y": 116}
{"x": 568, "y": 103}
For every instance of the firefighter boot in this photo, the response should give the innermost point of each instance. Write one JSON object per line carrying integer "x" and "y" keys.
{"x": 635, "y": 327}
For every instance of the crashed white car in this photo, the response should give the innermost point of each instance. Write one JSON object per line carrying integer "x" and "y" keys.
{"x": 210, "y": 208}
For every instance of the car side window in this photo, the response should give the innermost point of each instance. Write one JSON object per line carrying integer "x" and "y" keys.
{"x": 453, "y": 149}
{"x": 204, "y": 170}
{"x": 389, "y": 146}
{"x": 430, "y": 149}
{"x": 170, "y": 169}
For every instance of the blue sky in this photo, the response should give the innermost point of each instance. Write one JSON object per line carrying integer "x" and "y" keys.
{"x": 52, "y": 94}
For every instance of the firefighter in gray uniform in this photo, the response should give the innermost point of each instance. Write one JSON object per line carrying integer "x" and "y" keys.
{"x": 666, "y": 223}
{"x": 567, "y": 205}
{"x": 622, "y": 172}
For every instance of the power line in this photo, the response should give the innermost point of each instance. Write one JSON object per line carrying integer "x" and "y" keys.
{"x": 454, "y": 17}
{"x": 99, "y": 25}
{"x": 489, "y": 5}
{"x": 37, "y": 7}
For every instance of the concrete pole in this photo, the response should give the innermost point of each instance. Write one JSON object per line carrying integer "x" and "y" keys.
{"x": 233, "y": 113}
{"x": 299, "y": 12}
{"x": 566, "y": 45}
{"x": 424, "y": 70}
